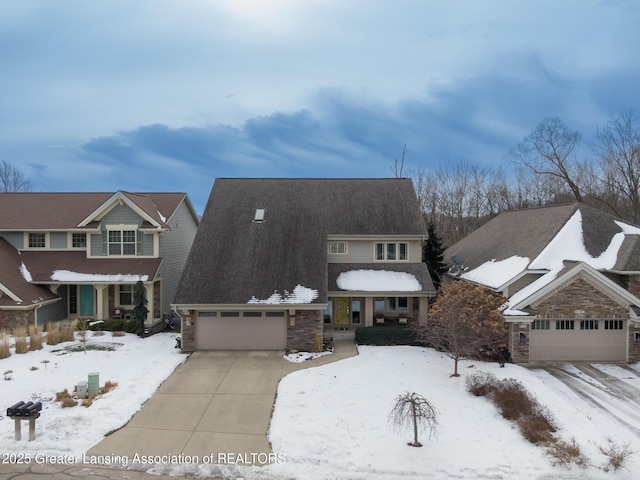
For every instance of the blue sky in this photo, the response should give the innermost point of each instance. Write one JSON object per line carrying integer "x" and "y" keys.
{"x": 167, "y": 95}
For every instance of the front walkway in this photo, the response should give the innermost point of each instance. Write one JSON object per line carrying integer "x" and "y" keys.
{"x": 216, "y": 403}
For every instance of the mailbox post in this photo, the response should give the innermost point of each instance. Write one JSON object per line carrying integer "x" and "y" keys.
{"x": 25, "y": 411}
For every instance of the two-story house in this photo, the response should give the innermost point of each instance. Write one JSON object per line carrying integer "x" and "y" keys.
{"x": 276, "y": 262}
{"x": 71, "y": 255}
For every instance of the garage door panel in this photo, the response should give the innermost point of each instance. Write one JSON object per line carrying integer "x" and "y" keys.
{"x": 240, "y": 333}
{"x": 577, "y": 345}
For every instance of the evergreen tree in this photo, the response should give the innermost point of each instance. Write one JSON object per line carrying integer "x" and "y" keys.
{"x": 140, "y": 308}
{"x": 433, "y": 255}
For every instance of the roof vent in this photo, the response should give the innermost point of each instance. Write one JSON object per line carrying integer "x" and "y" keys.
{"x": 259, "y": 217}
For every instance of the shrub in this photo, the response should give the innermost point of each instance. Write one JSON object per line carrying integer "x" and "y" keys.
{"x": 67, "y": 330}
{"x": 66, "y": 399}
{"x": 87, "y": 402}
{"x": 20, "y": 336}
{"x": 616, "y": 454}
{"x": 118, "y": 334}
{"x": 108, "y": 386}
{"x": 482, "y": 384}
{"x": 382, "y": 336}
{"x": 35, "y": 338}
{"x": 513, "y": 400}
{"x": 567, "y": 452}
{"x": 539, "y": 427}
{"x": 5, "y": 352}
{"x": 114, "y": 325}
{"x": 53, "y": 333}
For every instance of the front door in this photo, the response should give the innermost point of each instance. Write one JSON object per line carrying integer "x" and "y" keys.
{"x": 86, "y": 301}
{"x": 341, "y": 310}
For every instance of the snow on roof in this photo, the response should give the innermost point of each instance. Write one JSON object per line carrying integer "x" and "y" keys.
{"x": 568, "y": 244}
{"x": 494, "y": 274}
{"x": 628, "y": 229}
{"x": 25, "y": 273}
{"x": 378, "y": 281}
{"x": 68, "y": 276}
{"x": 299, "y": 295}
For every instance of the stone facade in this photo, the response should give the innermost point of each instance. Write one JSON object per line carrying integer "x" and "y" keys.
{"x": 188, "y": 330}
{"x": 634, "y": 344}
{"x": 12, "y": 319}
{"x": 579, "y": 298}
{"x": 305, "y": 330}
{"x": 519, "y": 342}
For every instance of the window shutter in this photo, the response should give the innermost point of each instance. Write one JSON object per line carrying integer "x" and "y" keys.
{"x": 139, "y": 242}
{"x": 105, "y": 245}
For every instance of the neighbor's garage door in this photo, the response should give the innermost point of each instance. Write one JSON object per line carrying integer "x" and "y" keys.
{"x": 216, "y": 332}
{"x": 601, "y": 345}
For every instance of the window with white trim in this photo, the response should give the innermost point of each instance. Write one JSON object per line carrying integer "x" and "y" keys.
{"x": 540, "y": 325}
{"x": 589, "y": 324}
{"x": 126, "y": 294}
{"x": 391, "y": 251}
{"x": 79, "y": 240}
{"x": 613, "y": 324}
{"x": 121, "y": 242}
{"x": 391, "y": 304}
{"x": 37, "y": 240}
{"x": 338, "y": 247}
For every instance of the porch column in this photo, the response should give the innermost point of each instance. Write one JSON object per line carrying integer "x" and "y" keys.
{"x": 423, "y": 314}
{"x": 149, "y": 294}
{"x": 102, "y": 304}
{"x": 368, "y": 311}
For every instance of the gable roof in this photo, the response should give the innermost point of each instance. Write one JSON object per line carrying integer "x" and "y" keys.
{"x": 63, "y": 211}
{"x": 15, "y": 290}
{"x": 234, "y": 258}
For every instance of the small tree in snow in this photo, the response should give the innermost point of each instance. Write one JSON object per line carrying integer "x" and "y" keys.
{"x": 465, "y": 321}
{"x": 411, "y": 410}
{"x": 140, "y": 307}
{"x": 433, "y": 255}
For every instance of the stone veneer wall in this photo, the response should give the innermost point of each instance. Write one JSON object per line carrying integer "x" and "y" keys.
{"x": 307, "y": 330}
{"x": 188, "y": 330}
{"x": 12, "y": 319}
{"x": 157, "y": 300}
{"x": 519, "y": 350}
{"x": 634, "y": 346}
{"x": 579, "y": 299}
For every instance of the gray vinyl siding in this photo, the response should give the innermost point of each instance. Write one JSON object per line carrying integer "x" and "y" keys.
{"x": 121, "y": 215}
{"x": 58, "y": 240}
{"x": 14, "y": 238}
{"x": 96, "y": 245}
{"x": 363, "y": 251}
{"x": 174, "y": 250}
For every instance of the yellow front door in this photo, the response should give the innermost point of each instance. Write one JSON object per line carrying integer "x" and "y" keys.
{"x": 341, "y": 311}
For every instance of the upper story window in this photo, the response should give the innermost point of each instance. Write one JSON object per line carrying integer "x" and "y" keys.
{"x": 37, "y": 240}
{"x": 338, "y": 247}
{"x": 392, "y": 251}
{"x": 121, "y": 242}
{"x": 79, "y": 240}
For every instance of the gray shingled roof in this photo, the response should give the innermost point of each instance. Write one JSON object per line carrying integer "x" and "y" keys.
{"x": 234, "y": 258}
{"x": 13, "y": 280}
{"x": 61, "y": 211}
{"x": 527, "y": 232}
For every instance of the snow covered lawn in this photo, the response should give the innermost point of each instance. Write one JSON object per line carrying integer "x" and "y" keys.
{"x": 137, "y": 365}
{"x": 331, "y": 423}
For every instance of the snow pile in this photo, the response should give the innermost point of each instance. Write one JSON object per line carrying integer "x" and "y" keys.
{"x": 137, "y": 365}
{"x": 495, "y": 274}
{"x": 299, "y": 295}
{"x": 377, "y": 281}
{"x": 68, "y": 276}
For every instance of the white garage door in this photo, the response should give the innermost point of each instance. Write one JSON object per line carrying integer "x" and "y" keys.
{"x": 216, "y": 332}
{"x": 574, "y": 345}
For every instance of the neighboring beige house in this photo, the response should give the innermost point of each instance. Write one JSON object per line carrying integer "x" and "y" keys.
{"x": 276, "y": 262}
{"x": 71, "y": 255}
{"x": 571, "y": 275}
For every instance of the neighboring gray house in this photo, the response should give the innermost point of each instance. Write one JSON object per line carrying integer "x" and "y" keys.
{"x": 276, "y": 262}
{"x": 571, "y": 275}
{"x": 70, "y": 255}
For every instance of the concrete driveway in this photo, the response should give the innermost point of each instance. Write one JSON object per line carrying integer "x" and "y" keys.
{"x": 614, "y": 389}
{"x": 216, "y": 404}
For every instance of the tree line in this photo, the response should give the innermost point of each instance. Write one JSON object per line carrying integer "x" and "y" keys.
{"x": 551, "y": 165}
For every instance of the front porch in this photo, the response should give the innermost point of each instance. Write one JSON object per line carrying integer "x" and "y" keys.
{"x": 348, "y": 313}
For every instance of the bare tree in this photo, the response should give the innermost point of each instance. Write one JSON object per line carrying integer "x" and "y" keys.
{"x": 398, "y": 169}
{"x": 465, "y": 321}
{"x": 618, "y": 148}
{"x": 549, "y": 150}
{"x": 413, "y": 410}
{"x": 12, "y": 179}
